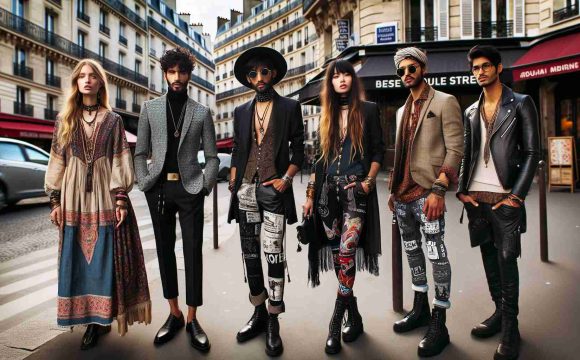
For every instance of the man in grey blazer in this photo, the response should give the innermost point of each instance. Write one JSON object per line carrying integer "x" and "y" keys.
{"x": 172, "y": 128}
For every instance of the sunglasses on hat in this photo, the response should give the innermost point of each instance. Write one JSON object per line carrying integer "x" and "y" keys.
{"x": 264, "y": 72}
{"x": 412, "y": 69}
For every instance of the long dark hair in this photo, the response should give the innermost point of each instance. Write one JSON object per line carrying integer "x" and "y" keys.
{"x": 329, "y": 119}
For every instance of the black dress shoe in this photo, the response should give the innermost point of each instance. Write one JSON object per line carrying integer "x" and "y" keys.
{"x": 92, "y": 334}
{"x": 255, "y": 326}
{"x": 274, "y": 345}
{"x": 197, "y": 336}
{"x": 169, "y": 329}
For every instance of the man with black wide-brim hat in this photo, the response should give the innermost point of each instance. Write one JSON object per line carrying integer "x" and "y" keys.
{"x": 268, "y": 151}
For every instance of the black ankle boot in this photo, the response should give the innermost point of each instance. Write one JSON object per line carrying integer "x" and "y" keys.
{"x": 417, "y": 317}
{"x": 92, "y": 334}
{"x": 489, "y": 326}
{"x": 353, "y": 326}
{"x": 274, "y": 346}
{"x": 333, "y": 344}
{"x": 509, "y": 347}
{"x": 256, "y": 325}
{"x": 437, "y": 336}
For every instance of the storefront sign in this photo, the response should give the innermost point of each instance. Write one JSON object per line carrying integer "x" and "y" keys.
{"x": 386, "y": 33}
{"x": 343, "y": 34}
{"x": 549, "y": 69}
{"x": 435, "y": 80}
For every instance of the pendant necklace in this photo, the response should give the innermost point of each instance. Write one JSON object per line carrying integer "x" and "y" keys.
{"x": 262, "y": 119}
{"x": 176, "y": 133}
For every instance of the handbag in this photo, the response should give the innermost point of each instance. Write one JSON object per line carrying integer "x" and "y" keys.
{"x": 306, "y": 231}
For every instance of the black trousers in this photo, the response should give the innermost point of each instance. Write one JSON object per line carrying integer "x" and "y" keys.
{"x": 498, "y": 232}
{"x": 176, "y": 200}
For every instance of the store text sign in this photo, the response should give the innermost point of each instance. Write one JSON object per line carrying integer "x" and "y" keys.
{"x": 550, "y": 69}
{"x": 441, "y": 80}
{"x": 386, "y": 33}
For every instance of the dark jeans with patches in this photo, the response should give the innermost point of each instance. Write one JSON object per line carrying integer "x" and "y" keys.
{"x": 412, "y": 220}
{"x": 262, "y": 217}
{"x": 498, "y": 234}
{"x": 343, "y": 214}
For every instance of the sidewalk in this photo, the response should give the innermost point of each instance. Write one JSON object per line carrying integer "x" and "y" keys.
{"x": 549, "y": 295}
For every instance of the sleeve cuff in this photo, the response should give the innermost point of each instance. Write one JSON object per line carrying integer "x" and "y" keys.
{"x": 451, "y": 174}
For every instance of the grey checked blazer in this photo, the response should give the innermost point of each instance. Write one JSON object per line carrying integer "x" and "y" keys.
{"x": 152, "y": 140}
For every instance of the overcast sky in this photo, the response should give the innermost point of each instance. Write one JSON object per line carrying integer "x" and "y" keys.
{"x": 207, "y": 11}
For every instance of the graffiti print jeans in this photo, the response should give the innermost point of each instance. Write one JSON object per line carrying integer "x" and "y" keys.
{"x": 262, "y": 222}
{"x": 343, "y": 214}
{"x": 412, "y": 220}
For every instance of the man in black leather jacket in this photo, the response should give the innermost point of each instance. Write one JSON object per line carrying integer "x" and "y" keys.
{"x": 501, "y": 150}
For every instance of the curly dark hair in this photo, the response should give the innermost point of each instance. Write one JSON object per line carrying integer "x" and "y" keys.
{"x": 178, "y": 56}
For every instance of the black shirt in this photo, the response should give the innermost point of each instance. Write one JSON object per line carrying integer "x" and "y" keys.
{"x": 177, "y": 100}
{"x": 347, "y": 167}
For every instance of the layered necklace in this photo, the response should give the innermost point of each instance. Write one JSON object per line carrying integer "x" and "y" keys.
{"x": 89, "y": 147}
{"x": 262, "y": 119}
{"x": 90, "y": 108}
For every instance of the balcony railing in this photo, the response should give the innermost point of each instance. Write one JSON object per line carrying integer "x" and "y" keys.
{"x": 120, "y": 104}
{"x": 416, "y": 34}
{"x": 152, "y": 87}
{"x": 226, "y": 135}
{"x": 52, "y": 80}
{"x": 22, "y": 71}
{"x": 236, "y": 91}
{"x": 153, "y": 53}
{"x": 123, "y": 40}
{"x": 23, "y": 109}
{"x": 300, "y": 70}
{"x": 57, "y": 2}
{"x": 138, "y": 49}
{"x": 263, "y": 39}
{"x": 224, "y": 75}
{"x": 136, "y": 108}
{"x": 565, "y": 13}
{"x": 218, "y": 137}
{"x": 493, "y": 29}
{"x": 105, "y": 30}
{"x": 171, "y": 36}
{"x": 36, "y": 33}
{"x": 225, "y": 115}
{"x": 298, "y": 44}
{"x": 218, "y": 116}
{"x": 50, "y": 114}
{"x": 132, "y": 16}
{"x": 283, "y": 51}
{"x": 231, "y": 73}
{"x": 290, "y": 48}
{"x": 84, "y": 17}
{"x": 206, "y": 84}
{"x": 289, "y": 7}
{"x": 307, "y": 5}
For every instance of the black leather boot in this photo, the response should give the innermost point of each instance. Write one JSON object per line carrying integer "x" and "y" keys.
{"x": 197, "y": 337}
{"x": 274, "y": 346}
{"x": 417, "y": 317}
{"x": 353, "y": 326}
{"x": 169, "y": 329}
{"x": 92, "y": 334}
{"x": 333, "y": 345}
{"x": 437, "y": 336}
{"x": 509, "y": 347}
{"x": 255, "y": 326}
{"x": 490, "y": 326}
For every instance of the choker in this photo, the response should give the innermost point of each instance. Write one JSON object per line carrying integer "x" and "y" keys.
{"x": 343, "y": 101}
{"x": 90, "y": 108}
{"x": 265, "y": 95}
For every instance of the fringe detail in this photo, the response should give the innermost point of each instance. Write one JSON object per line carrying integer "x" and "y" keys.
{"x": 324, "y": 262}
{"x": 140, "y": 313}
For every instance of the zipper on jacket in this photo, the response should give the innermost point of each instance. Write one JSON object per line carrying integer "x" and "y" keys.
{"x": 509, "y": 126}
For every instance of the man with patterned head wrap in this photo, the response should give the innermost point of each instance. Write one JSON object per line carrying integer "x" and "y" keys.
{"x": 428, "y": 150}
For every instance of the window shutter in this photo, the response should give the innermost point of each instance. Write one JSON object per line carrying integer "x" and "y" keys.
{"x": 443, "y": 20}
{"x": 519, "y": 18}
{"x": 466, "y": 7}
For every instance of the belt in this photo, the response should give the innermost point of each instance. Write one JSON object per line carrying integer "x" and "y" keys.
{"x": 343, "y": 178}
{"x": 172, "y": 176}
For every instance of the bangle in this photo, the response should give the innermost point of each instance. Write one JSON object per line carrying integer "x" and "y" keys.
{"x": 287, "y": 178}
{"x": 310, "y": 190}
{"x": 516, "y": 199}
{"x": 438, "y": 190}
{"x": 370, "y": 181}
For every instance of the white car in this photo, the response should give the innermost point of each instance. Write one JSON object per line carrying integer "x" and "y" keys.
{"x": 224, "y": 167}
{"x": 22, "y": 170}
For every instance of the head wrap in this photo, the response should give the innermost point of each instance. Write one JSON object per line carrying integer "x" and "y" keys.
{"x": 410, "y": 52}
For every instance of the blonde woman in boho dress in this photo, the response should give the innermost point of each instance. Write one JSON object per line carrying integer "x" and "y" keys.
{"x": 101, "y": 273}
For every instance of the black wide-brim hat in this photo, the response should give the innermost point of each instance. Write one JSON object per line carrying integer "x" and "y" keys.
{"x": 260, "y": 52}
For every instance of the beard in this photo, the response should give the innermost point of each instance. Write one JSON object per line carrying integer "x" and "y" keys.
{"x": 183, "y": 86}
{"x": 267, "y": 87}
{"x": 415, "y": 83}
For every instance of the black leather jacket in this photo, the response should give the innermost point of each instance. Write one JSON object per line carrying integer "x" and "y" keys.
{"x": 515, "y": 143}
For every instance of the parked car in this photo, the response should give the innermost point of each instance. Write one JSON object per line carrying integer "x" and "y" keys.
{"x": 224, "y": 168}
{"x": 22, "y": 170}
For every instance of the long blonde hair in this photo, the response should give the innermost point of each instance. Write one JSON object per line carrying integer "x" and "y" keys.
{"x": 329, "y": 119}
{"x": 73, "y": 107}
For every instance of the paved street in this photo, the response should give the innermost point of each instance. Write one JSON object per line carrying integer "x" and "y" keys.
{"x": 549, "y": 295}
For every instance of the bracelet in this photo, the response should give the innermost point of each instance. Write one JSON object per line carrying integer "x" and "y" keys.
{"x": 516, "y": 199}
{"x": 370, "y": 181}
{"x": 441, "y": 183}
{"x": 310, "y": 190}
{"x": 287, "y": 179}
{"x": 438, "y": 190}
{"x": 54, "y": 199}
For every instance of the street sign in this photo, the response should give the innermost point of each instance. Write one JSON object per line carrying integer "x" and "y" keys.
{"x": 343, "y": 34}
{"x": 386, "y": 33}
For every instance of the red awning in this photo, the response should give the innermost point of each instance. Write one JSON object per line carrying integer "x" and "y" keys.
{"x": 548, "y": 58}
{"x": 227, "y": 143}
{"x": 17, "y": 129}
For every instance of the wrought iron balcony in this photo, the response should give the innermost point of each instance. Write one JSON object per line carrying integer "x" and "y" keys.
{"x": 123, "y": 40}
{"x": 132, "y": 16}
{"x": 218, "y": 136}
{"x": 493, "y": 29}
{"x": 300, "y": 70}
{"x": 565, "y": 13}
{"x": 152, "y": 87}
{"x": 84, "y": 17}
{"x": 308, "y": 4}
{"x": 57, "y": 2}
{"x": 206, "y": 84}
{"x": 231, "y": 73}
{"x": 136, "y": 108}
{"x": 52, "y": 80}
{"x": 283, "y": 51}
{"x": 236, "y": 91}
{"x": 104, "y": 29}
{"x": 23, "y": 109}
{"x": 218, "y": 116}
{"x": 417, "y": 34}
{"x": 174, "y": 38}
{"x": 298, "y": 44}
{"x": 36, "y": 33}
{"x": 225, "y": 115}
{"x": 224, "y": 75}
{"x": 153, "y": 53}
{"x": 23, "y": 71}
{"x": 120, "y": 104}
{"x": 138, "y": 49}
{"x": 50, "y": 114}
{"x": 290, "y": 48}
